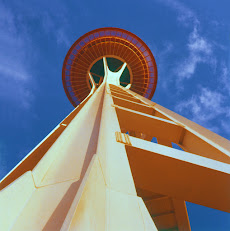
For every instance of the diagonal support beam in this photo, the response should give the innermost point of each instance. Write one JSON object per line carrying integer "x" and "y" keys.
{"x": 93, "y": 89}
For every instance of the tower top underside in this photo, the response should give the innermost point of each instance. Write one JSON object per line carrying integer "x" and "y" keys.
{"x": 113, "y": 43}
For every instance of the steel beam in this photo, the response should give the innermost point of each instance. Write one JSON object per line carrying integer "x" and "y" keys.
{"x": 179, "y": 174}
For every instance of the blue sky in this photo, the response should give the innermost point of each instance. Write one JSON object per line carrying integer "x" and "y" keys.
{"x": 189, "y": 39}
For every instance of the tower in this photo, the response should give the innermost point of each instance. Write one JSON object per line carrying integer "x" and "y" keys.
{"x": 98, "y": 169}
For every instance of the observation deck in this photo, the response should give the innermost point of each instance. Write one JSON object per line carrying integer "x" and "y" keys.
{"x": 84, "y": 63}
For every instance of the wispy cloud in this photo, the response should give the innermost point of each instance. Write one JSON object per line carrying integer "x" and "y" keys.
{"x": 199, "y": 47}
{"x": 184, "y": 14}
{"x": 199, "y": 44}
{"x": 18, "y": 49}
{"x": 168, "y": 48}
{"x": 163, "y": 64}
{"x": 209, "y": 105}
{"x": 225, "y": 124}
{"x": 52, "y": 26}
{"x": 205, "y": 106}
{"x": 200, "y": 50}
{"x": 225, "y": 77}
{"x": 14, "y": 70}
{"x": 62, "y": 37}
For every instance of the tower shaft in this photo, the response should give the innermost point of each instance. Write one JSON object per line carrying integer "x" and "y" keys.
{"x": 98, "y": 170}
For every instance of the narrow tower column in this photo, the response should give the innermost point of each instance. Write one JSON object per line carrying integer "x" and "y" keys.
{"x": 109, "y": 200}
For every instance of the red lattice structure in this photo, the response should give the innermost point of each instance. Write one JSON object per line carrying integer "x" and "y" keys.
{"x": 108, "y": 42}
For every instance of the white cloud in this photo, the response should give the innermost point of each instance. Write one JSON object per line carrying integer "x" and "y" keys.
{"x": 62, "y": 37}
{"x": 56, "y": 26}
{"x": 226, "y": 125}
{"x": 168, "y": 48}
{"x": 17, "y": 50}
{"x": 205, "y": 106}
{"x": 13, "y": 73}
{"x": 208, "y": 107}
{"x": 14, "y": 68}
{"x": 225, "y": 78}
{"x": 200, "y": 50}
{"x": 163, "y": 64}
{"x": 198, "y": 43}
{"x": 185, "y": 14}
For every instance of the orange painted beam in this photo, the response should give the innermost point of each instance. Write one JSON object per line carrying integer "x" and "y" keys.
{"x": 179, "y": 174}
{"x": 149, "y": 125}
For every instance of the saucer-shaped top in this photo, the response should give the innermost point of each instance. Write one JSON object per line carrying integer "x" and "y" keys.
{"x": 118, "y": 46}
